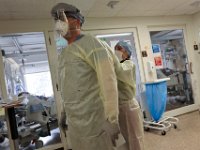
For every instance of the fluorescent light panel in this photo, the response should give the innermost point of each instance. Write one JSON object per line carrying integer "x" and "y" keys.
{"x": 113, "y": 35}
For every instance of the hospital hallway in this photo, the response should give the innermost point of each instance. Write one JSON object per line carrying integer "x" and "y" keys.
{"x": 186, "y": 137}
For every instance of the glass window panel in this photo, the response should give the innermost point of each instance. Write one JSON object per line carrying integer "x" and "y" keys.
{"x": 28, "y": 77}
{"x": 170, "y": 46}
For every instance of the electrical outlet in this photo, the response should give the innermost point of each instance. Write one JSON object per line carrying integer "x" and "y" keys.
{"x": 196, "y": 47}
{"x": 144, "y": 54}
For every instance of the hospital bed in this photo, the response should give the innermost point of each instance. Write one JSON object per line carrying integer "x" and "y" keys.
{"x": 35, "y": 118}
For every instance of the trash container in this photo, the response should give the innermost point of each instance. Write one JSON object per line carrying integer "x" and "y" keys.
{"x": 156, "y": 97}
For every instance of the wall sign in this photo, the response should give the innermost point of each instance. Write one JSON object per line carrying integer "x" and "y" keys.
{"x": 156, "y": 48}
{"x": 158, "y": 61}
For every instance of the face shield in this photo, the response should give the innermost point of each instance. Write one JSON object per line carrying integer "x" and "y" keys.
{"x": 60, "y": 12}
{"x": 61, "y": 24}
{"x": 119, "y": 54}
{"x": 125, "y": 48}
{"x": 60, "y": 30}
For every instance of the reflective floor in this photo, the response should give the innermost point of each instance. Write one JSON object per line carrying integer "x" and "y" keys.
{"x": 53, "y": 139}
{"x": 171, "y": 105}
{"x": 186, "y": 137}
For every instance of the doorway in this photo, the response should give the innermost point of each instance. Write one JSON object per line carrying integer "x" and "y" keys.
{"x": 170, "y": 47}
{"x": 112, "y": 40}
{"x": 27, "y": 77}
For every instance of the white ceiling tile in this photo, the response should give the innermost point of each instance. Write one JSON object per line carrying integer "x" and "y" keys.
{"x": 140, "y": 5}
{"x": 101, "y": 14}
{"x": 100, "y": 9}
{"x": 129, "y": 14}
{"x": 37, "y": 9}
{"x": 84, "y": 5}
{"x": 168, "y": 4}
{"x": 185, "y": 9}
{"x": 85, "y": 13}
{"x": 155, "y": 13}
{"x": 136, "y": 8}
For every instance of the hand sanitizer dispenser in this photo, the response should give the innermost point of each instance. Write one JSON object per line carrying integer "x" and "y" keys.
{"x": 150, "y": 66}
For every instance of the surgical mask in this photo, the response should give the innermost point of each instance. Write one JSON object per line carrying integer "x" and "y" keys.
{"x": 119, "y": 55}
{"x": 61, "y": 25}
{"x": 61, "y": 43}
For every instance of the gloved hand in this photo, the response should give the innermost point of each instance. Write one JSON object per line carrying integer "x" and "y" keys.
{"x": 62, "y": 122}
{"x": 113, "y": 130}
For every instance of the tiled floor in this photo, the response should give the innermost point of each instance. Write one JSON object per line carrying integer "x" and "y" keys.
{"x": 49, "y": 140}
{"x": 186, "y": 137}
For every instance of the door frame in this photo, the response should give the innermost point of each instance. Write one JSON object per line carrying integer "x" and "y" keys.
{"x": 53, "y": 57}
{"x": 138, "y": 49}
{"x": 121, "y": 31}
{"x": 191, "y": 107}
{"x": 52, "y": 62}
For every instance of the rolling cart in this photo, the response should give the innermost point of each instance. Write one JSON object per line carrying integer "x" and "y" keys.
{"x": 156, "y": 96}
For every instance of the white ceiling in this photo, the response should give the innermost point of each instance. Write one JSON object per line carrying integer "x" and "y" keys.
{"x": 38, "y": 9}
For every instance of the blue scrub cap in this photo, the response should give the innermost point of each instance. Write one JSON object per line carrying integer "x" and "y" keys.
{"x": 128, "y": 48}
{"x": 69, "y": 10}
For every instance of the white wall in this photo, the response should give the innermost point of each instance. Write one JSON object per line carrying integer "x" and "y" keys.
{"x": 196, "y": 20}
{"x": 196, "y": 56}
{"x": 17, "y": 26}
{"x": 142, "y": 24}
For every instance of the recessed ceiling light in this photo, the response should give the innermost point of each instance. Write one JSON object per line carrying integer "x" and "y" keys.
{"x": 112, "y": 4}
